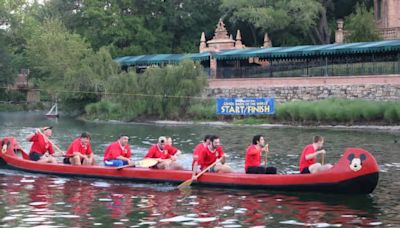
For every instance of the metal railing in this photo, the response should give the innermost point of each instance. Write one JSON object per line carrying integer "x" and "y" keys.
{"x": 346, "y": 66}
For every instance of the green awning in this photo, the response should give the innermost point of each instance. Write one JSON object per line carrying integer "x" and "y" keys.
{"x": 302, "y": 51}
{"x": 160, "y": 59}
{"x": 310, "y": 50}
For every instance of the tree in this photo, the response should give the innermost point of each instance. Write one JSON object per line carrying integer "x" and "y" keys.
{"x": 65, "y": 66}
{"x": 140, "y": 26}
{"x": 170, "y": 89}
{"x": 361, "y": 25}
{"x": 287, "y": 21}
{"x": 7, "y": 71}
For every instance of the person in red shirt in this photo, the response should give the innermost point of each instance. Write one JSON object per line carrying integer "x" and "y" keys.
{"x": 167, "y": 154}
{"x": 118, "y": 153}
{"x": 80, "y": 151}
{"x": 253, "y": 157}
{"x": 175, "y": 152}
{"x": 42, "y": 148}
{"x": 210, "y": 154}
{"x": 308, "y": 159}
{"x": 201, "y": 146}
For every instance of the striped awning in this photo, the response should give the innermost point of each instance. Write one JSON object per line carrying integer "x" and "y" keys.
{"x": 160, "y": 59}
{"x": 311, "y": 50}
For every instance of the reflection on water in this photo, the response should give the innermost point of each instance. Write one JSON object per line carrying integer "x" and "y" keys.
{"x": 42, "y": 200}
{"x": 48, "y": 201}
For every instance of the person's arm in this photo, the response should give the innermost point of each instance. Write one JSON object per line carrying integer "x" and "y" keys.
{"x": 315, "y": 154}
{"x": 195, "y": 168}
{"x": 221, "y": 154}
{"x": 31, "y": 137}
{"x": 175, "y": 156}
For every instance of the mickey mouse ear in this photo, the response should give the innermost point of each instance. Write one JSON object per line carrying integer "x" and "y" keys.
{"x": 350, "y": 157}
{"x": 363, "y": 157}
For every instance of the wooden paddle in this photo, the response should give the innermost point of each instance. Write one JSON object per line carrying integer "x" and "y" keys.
{"x": 145, "y": 163}
{"x": 322, "y": 159}
{"x": 266, "y": 157}
{"x": 187, "y": 183}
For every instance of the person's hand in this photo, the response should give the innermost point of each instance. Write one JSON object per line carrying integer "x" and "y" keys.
{"x": 37, "y": 131}
{"x": 266, "y": 148}
{"x": 173, "y": 158}
{"x": 194, "y": 177}
{"x": 130, "y": 162}
{"x": 322, "y": 152}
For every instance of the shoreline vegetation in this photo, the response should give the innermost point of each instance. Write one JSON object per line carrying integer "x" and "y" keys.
{"x": 175, "y": 92}
{"x": 329, "y": 113}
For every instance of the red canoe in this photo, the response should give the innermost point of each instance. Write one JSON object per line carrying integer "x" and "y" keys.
{"x": 356, "y": 172}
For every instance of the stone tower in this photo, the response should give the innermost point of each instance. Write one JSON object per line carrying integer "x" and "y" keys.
{"x": 387, "y": 17}
{"x": 387, "y": 13}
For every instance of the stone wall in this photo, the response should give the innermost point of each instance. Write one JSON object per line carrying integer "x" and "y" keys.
{"x": 288, "y": 89}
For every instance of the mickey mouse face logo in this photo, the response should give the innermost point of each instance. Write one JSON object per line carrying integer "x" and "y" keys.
{"x": 356, "y": 163}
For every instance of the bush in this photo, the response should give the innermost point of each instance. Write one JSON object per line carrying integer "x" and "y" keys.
{"x": 161, "y": 92}
{"x": 339, "y": 111}
{"x": 202, "y": 110}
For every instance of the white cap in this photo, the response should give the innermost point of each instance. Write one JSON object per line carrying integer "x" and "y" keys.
{"x": 162, "y": 139}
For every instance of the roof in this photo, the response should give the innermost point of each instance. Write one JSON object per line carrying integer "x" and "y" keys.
{"x": 161, "y": 58}
{"x": 311, "y": 50}
{"x": 293, "y": 52}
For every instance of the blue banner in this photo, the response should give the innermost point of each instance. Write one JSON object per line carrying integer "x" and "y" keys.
{"x": 245, "y": 106}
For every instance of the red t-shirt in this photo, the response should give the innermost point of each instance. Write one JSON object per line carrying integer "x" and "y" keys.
{"x": 156, "y": 152}
{"x": 253, "y": 157}
{"x": 207, "y": 157}
{"x": 76, "y": 146}
{"x": 309, "y": 149}
{"x": 115, "y": 150}
{"x": 196, "y": 152}
{"x": 40, "y": 145}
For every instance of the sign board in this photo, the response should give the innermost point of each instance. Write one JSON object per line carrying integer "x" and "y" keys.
{"x": 245, "y": 106}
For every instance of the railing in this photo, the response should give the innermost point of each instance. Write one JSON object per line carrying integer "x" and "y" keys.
{"x": 316, "y": 67}
{"x": 390, "y": 33}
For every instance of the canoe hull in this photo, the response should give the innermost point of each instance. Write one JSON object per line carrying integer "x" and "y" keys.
{"x": 343, "y": 178}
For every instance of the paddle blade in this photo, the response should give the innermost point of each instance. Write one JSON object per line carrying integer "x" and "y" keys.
{"x": 148, "y": 162}
{"x": 185, "y": 184}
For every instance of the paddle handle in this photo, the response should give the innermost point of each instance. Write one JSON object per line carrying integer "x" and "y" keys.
{"x": 208, "y": 168}
{"x": 322, "y": 159}
{"x": 266, "y": 155}
{"x": 125, "y": 166}
{"x": 54, "y": 145}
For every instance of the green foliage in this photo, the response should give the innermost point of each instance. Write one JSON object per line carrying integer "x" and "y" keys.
{"x": 174, "y": 86}
{"x": 361, "y": 25}
{"x": 338, "y": 111}
{"x": 202, "y": 110}
{"x": 138, "y": 27}
{"x": 7, "y": 71}
{"x": 63, "y": 64}
{"x": 287, "y": 21}
{"x": 105, "y": 110}
{"x": 161, "y": 92}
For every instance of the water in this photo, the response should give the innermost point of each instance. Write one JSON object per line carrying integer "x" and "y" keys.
{"x": 28, "y": 200}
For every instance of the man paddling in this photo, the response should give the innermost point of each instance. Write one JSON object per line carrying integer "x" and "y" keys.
{"x": 80, "y": 151}
{"x": 201, "y": 146}
{"x": 210, "y": 154}
{"x": 254, "y": 155}
{"x": 42, "y": 149}
{"x": 167, "y": 154}
{"x": 308, "y": 159}
{"x": 118, "y": 153}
